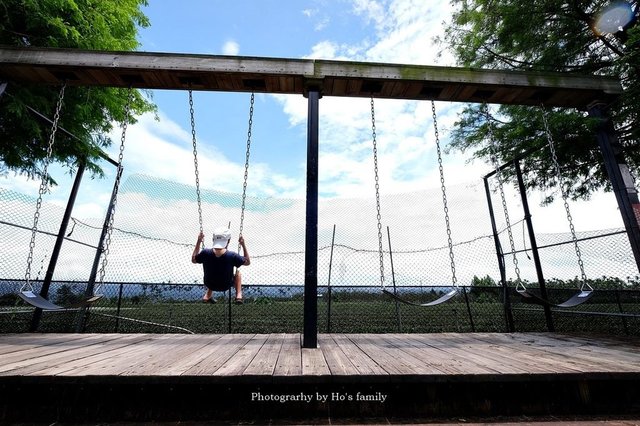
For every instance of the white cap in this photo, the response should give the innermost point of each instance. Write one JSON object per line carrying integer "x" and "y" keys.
{"x": 221, "y": 237}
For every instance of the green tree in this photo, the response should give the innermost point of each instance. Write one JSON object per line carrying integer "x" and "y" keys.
{"x": 547, "y": 35}
{"x": 88, "y": 112}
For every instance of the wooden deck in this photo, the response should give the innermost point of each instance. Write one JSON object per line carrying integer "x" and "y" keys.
{"x": 271, "y": 375}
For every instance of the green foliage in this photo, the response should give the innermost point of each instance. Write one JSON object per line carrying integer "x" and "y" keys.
{"x": 66, "y": 297}
{"x": 9, "y": 299}
{"x": 88, "y": 112}
{"x": 485, "y": 281}
{"x": 263, "y": 300}
{"x": 547, "y": 35}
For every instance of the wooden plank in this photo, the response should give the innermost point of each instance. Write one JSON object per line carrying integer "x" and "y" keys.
{"x": 281, "y": 355}
{"x": 437, "y": 361}
{"x": 238, "y": 364}
{"x": 153, "y": 70}
{"x": 314, "y": 363}
{"x": 450, "y": 363}
{"x": 68, "y": 360}
{"x": 392, "y": 360}
{"x": 420, "y": 357}
{"x": 529, "y": 355}
{"x": 629, "y": 344}
{"x": 338, "y": 363}
{"x": 509, "y": 361}
{"x": 555, "y": 347}
{"x": 171, "y": 357}
{"x": 290, "y": 357}
{"x": 527, "y": 358}
{"x": 446, "y": 342}
{"x": 264, "y": 363}
{"x": 122, "y": 358}
{"x": 200, "y": 348}
{"x": 585, "y": 352}
{"x": 362, "y": 361}
{"x": 20, "y": 342}
{"x": 220, "y": 353}
{"x": 47, "y": 351}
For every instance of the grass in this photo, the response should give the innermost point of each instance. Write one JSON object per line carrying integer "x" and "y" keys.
{"x": 345, "y": 315}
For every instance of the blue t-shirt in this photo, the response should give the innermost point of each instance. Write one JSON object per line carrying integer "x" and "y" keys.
{"x": 218, "y": 271}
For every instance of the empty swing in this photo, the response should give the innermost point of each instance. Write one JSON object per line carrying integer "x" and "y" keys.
{"x": 26, "y": 292}
{"x": 394, "y": 294}
{"x": 585, "y": 291}
{"x": 493, "y": 154}
{"x": 95, "y": 294}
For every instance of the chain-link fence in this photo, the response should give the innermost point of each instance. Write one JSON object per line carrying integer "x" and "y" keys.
{"x": 150, "y": 284}
{"x": 174, "y": 308}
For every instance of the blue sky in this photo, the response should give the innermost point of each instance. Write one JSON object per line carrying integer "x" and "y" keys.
{"x": 394, "y": 31}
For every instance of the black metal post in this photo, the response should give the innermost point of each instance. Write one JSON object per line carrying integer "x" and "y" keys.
{"x": 310, "y": 332}
{"x": 81, "y": 316}
{"x": 620, "y": 176}
{"x": 229, "y": 312}
{"x": 119, "y": 307}
{"x": 534, "y": 245}
{"x": 393, "y": 280}
{"x": 506, "y": 301}
{"x": 333, "y": 239}
{"x": 621, "y": 310}
{"x": 44, "y": 291}
{"x": 466, "y": 300}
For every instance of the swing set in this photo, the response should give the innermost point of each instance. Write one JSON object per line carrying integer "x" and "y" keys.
{"x": 585, "y": 291}
{"x": 316, "y": 78}
{"x": 93, "y": 294}
{"x": 26, "y": 291}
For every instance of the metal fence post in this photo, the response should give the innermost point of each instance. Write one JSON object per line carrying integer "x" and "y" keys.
{"x": 506, "y": 301}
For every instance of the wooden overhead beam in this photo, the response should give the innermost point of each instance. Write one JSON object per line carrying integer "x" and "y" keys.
{"x": 151, "y": 70}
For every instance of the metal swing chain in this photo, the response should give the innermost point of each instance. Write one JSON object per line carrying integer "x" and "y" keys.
{"x": 565, "y": 196}
{"x": 195, "y": 159}
{"x": 105, "y": 251}
{"x": 494, "y": 160}
{"x": 43, "y": 187}
{"x": 454, "y": 280}
{"x": 246, "y": 167}
{"x": 377, "y": 185}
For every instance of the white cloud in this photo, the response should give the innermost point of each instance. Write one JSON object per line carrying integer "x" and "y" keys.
{"x": 230, "y": 47}
{"x": 321, "y": 24}
{"x": 405, "y": 32}
{"x": 309, "y": 12}
{"x": 164, "y": 149}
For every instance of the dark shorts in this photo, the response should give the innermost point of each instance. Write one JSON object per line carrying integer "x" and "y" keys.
{"x": 217, "y": 286}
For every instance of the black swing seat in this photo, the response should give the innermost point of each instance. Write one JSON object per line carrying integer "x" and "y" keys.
{"x": 94, "y": 298}
{"x": 38, "y": 301}
{"x": 86, "y": 302}
{"x": 441, "y": 299}
{"x": 528, "y": 297}
{"x": 575, "y": 300}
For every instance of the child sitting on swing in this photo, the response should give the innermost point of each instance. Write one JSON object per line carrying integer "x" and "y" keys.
{"x": 218, "y": 263}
